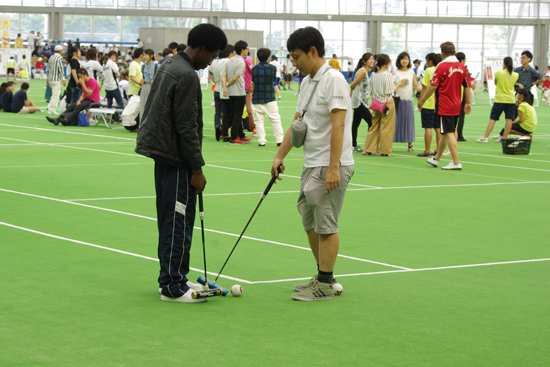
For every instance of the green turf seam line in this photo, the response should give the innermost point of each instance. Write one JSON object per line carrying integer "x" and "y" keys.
{"x": 409, "y": 270}
{"x": 112, "y": 249}
{"x": 206, "y": 229}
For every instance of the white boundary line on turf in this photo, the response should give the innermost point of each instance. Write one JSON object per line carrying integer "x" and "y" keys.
{"x": 68, "y": 132}
{"x": 208, "y": 230}
{"x": 489, "y": 164}
{"x": 269, "y": 173}
{"x": 72, "y": 165}
{"x": 295, "y": 192}
{"x": 114, "y": 250}
{"x": 409, "y": 270}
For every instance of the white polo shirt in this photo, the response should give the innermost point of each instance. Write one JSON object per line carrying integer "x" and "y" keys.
{"x": 332, "y": 93}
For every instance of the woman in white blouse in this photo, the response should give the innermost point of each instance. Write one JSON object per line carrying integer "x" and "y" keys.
{"x": 404, "y": 116}
{"x": 383, "y": 124}
{"x": 360, "y": 94}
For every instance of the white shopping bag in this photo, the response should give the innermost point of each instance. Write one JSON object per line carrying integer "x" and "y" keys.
{"x": 131, "y": 111}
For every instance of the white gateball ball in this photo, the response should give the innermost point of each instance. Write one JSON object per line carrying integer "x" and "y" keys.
{"x": 236, "y": 290}
{"x": 338, "y": 288}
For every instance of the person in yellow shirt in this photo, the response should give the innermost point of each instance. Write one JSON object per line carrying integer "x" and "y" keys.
{"x": 427, "y": 113}
{"x": 526, "y": 123}
{"x": 19, "y": 41}
{"x": 505, "y": 100}
{"x": 334, "y": 63}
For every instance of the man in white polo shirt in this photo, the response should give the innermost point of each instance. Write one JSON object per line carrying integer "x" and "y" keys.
{"x": 328, "y": 165}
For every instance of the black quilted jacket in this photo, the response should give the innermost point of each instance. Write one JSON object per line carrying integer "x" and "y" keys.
{"x": 171, "y": 126}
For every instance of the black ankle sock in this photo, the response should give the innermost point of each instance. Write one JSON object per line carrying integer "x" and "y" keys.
{"x": 317, "y": 267}
{"x": 324, "y": 277}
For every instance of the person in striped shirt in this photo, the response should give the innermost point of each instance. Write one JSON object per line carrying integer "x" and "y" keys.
{"x": 56, "y": 78}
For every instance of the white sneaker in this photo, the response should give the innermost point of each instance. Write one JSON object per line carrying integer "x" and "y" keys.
{"x": 453, "y": 166}
{"x": 497, "y": 136}
{"x": 297, "y": 94}
{"x": 434, "y": 162}
{"x": 483, "y": 140}
{"x": 193, "y": 286}
{"x": 212, "y": 104}
{"x": 498, "y": 140}
{"x": 279, "y": 97}
{"x": 52, "y": 113}
{"x": 447, "y": 153}
{"x": 185, "y": 298}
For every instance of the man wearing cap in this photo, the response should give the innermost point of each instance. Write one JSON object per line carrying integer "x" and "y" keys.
{"x": 77, "y": 44}
{"x": 30, "y": 41}
{"x": 56, "y": 78}
{"x": 37, "y": 44}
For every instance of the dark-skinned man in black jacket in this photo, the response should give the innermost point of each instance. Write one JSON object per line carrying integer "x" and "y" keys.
{"x": 171, "y": 134}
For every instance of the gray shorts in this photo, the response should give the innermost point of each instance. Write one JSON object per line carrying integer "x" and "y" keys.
{"x": 319, "y": 209}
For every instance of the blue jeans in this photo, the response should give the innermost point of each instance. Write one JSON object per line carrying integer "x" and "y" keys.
{"x": 116, "y": 95}
{"x": 75, "y": 94}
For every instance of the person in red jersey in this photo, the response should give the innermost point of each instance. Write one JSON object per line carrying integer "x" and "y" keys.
{"x": 447, "y": 82}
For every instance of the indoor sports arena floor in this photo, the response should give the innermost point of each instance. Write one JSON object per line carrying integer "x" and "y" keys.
{"x": 439, "y": 268}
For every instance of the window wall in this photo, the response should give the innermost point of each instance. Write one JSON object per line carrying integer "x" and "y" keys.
{"x": 341, "y": 38}
{"x": 474, "y": 40}
{"x": 24, "y": 23}
{"x": 529, "y": 9}
{"x": 107, "y": 29}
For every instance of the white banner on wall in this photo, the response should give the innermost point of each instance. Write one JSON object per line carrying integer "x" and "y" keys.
{"x": 492, "y": 64}
{"x": 17, "y": 53}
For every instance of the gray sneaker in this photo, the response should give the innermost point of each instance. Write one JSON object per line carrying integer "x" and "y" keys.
{"x": 303, "y": 287}
{"x": 357, "y": 149}
{"x": 316, "y": 291}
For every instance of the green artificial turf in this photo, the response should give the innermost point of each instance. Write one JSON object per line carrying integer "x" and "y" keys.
{"x": 69, "y": 196}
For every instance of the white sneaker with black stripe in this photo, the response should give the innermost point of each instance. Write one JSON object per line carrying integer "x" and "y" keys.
{"x": 432, "y": 161}
{"x": 316, "y": 291}
{"x": 193, "y": 286}
{"x": 186, "y": 298}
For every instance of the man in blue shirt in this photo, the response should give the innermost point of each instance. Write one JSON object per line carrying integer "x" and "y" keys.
{"x": 21, "y": 104}
{"x": 527, "y": 75}
{"x": 264, "y": 76}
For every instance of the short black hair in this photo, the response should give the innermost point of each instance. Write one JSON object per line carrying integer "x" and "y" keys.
{"x": 273, "y": 58}
{"x": 528, "y": 54}
{"x": 138, "y": 52}
{"x": 167, "y": 51}
{"x": 240, "y": 46}
{"x": 181, "y": 47}
{"x": 225, "y": 53}
{"x": 333, "y": 55}
{"x": 263, "y": 54}
{"x": 173, "y": 45}
{"x": 401, "y": 56}
{"x": 288, "y": 56}
{"x": 82, "y": 72}
{"x": 25, "y": 86}
{"x": 306, "y": 38}
{"x": 207, "y": 35}
{"x": 460, "y": 56}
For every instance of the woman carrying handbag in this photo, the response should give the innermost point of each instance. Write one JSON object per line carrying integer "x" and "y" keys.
{"x": 383, "y": 108}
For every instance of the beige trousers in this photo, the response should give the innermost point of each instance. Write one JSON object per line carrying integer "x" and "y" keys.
{"x": 381, "y": 131}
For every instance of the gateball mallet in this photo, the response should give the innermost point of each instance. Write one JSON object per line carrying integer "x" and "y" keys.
{"x": 216, "y": 291}
{"x": 271, "y": 182}
{"x": 204, "y": 280}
